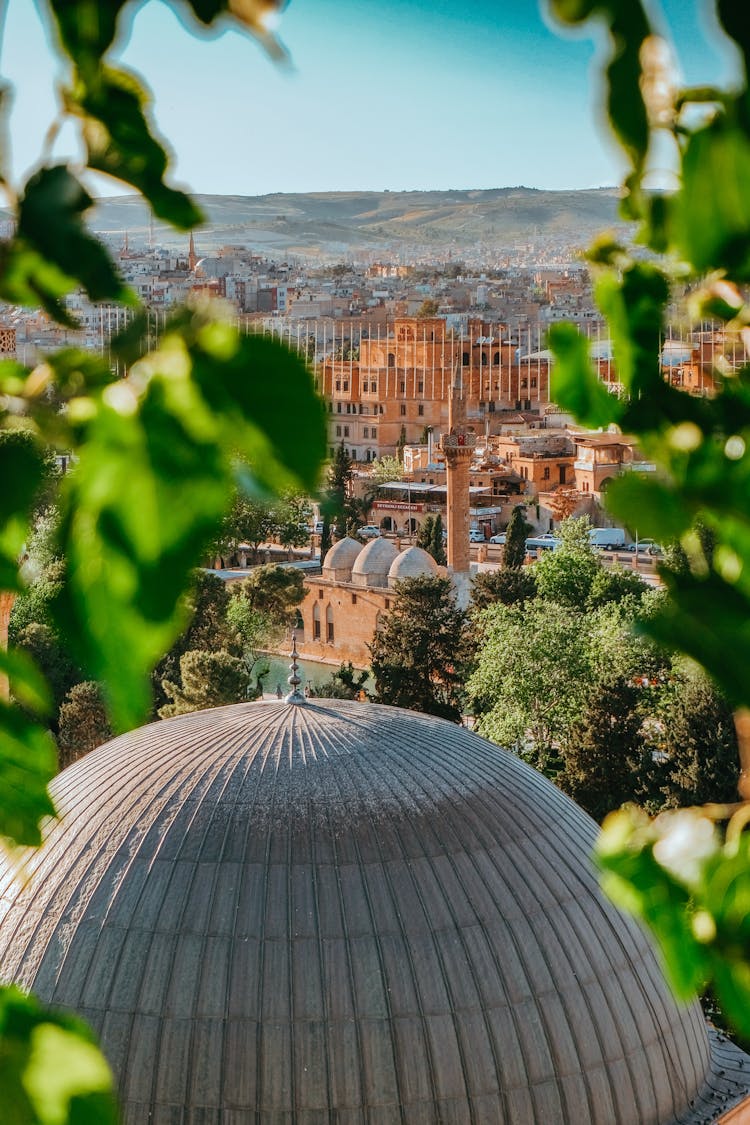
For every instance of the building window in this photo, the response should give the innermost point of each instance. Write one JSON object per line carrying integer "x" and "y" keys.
{"x": 403, "y": 388}
{"x": 338, "y": 407}
{"x": 329, "y": 625}
{"x": 391, "y": 359}
{"x": 533, "y": 382}
{"x": 346, "y": 431}
{"x": 465, "y": 358}
{"x": 366, "y": 431}
{"x": 338, "y": 384}
{"x": 354, "y": 599}
{"x": 346, "y": 384}
{"x": 373, "y": 386}
{"x": 420, "y": 410}
{"x": 496, "y": 357}
{"x": 420, "y": 388}
{"x": 402, "y": 409}
{"x": 316, "y": 620}
{"x": 545, "y": 474}
{"x": 320, "y": 594}
{"x": 338, "y": 431}
{"x": 387, "y": 603}
{"x": 365, "y": 385}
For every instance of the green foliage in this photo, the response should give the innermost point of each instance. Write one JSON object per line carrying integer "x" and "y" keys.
{"x": 605, "y": 749}
{"x": 275, "y": 591}
{"x": 34, "y": 605}
{"x": 208, "y": 679}
{"x": 693, "y": 890}
{"x": 427, "y": 308}
{"x": 51, "y": 657}
{"x": 516, "y": 533}
{"x": 338, "y": 503}
{"x": 531, "y": 677}
{"x": 83, "y": 723}
{"x": 701, "y": 449}
{"x": 419, "y": 652}
{"x": 51, "y": 1072}
{"x": 430, "y": 538}
{"x": 385, "y": 469}
{"x": 567, "y": 574}
{"x": 291, "y": 515}
{"x": 698, "y": 759}
{"x": 205, "y": 609}
{"x": 509, "y": 585}
{"x": 344, "y": 683}
{"x": 174, "y": 427}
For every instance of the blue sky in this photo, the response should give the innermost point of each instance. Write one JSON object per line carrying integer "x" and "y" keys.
{"x": 413, "y": 94}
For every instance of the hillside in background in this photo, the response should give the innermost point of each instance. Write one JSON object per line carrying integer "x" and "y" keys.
{"x": 343, "y": 223}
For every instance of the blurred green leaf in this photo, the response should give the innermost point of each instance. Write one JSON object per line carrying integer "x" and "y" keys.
{"x": 52, "y": 252}
{"x": 150, "y": 488}
{"x": 22, "y": 472}
{"x": 87, "y": 28}
{"x": 27, "y": 278}
{"x": 51, "y": 1072}
{"x": 153, "y": 482}
{"x": 635, "y": 881}
{"x": 50, "y": 220}
{"x": 648, "y": 506}
{"x": 712, "y": 211}
{"x": 576, "y": 385}
{"x": 27, "y": 685}
{"x": 266, "y": 398}
{"x": 709, "y": 619}
{"x": 113, "y": 106}
{"x": 733, "y": 17}
{"x": 573, "y": 11}
{"x": 628, "y": 28}
{"x": 634, "y": 304}
{"x": 28, "y": 762}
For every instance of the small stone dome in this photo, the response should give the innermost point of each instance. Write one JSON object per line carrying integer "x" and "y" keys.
{"x": 412, "y": 563}
{"x": 339, "y": 560}
{"x": 341, "y": 912}
{"x": 374, "y": 562}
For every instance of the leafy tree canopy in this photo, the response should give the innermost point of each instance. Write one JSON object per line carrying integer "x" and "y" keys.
{"x": 419, "y": 651}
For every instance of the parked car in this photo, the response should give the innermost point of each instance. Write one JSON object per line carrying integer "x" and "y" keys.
{"x": 369, "y": 531}
{"x": 476, "y": 535}
{"x": 645, "y": 547}
{"x": 544, "y": 542}
{"x": 499, "y": 538}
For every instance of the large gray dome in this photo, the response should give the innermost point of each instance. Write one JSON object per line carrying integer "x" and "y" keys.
{"x": 339, "y": 912}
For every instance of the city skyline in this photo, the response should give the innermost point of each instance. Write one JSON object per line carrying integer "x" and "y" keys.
{"x": 404, "y": 95}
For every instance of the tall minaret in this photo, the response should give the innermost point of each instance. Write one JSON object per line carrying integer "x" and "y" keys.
{"x": 458, "y": 447}
{"x": 192, "y": 256}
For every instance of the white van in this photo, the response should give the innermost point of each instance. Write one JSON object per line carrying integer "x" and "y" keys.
{"x": 607, "y": 538}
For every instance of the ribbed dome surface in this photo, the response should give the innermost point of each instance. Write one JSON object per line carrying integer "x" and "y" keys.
{"x": 411, "y": 563}
{"x": 339, "y": 912}
{"x": 373, "y": 563}
{"x": 341, "y": 557}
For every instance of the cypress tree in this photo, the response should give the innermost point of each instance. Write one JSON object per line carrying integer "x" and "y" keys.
{"x": 515, "y": 539}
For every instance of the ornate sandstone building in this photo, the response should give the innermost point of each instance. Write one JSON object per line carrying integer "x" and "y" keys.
{"x": 344, "y": 606}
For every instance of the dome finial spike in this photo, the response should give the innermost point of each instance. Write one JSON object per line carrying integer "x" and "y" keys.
{"x": 294, "y": 681}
